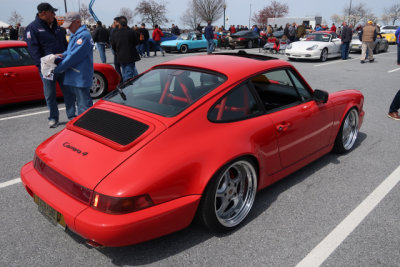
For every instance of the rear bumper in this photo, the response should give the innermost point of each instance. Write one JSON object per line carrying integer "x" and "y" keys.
{"x": 112, "y": 230}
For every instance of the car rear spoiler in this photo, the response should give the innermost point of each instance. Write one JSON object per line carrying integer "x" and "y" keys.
{"x": 242, "y": 53}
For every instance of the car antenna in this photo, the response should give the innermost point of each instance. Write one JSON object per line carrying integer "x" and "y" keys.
{"x": 122, "y": 94}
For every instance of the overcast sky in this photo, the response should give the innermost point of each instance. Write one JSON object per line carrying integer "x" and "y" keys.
{"x": 237, "y": 11}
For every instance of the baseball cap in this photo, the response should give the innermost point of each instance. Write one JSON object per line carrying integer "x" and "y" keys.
{"x": 70, "y": 17}
{"x": 45, "y": 7}
{"x": 370, "y": 22}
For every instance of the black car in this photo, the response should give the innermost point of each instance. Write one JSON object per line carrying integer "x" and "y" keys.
{"x": 248, "y": 39}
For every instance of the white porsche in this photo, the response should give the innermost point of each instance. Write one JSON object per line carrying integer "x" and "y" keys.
{"x": 317, "y": 45}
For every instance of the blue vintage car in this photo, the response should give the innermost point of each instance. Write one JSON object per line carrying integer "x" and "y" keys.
{"x": 186, "y": 42}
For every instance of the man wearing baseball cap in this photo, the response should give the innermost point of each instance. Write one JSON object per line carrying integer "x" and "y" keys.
{"x": 368, "y": 36}
{"x": 45, "y": 37}
{"x": 77, "y": 61}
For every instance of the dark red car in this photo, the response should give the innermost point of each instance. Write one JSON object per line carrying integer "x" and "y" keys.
{"x": 20, "y": 80}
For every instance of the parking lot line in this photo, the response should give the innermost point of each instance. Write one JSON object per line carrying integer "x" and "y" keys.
{"x": 11, "y": 182}
{"x": 26, "y": 115}
{"x": 326, "y": 247}
{"x": 394, "y": 70}
{"x": 355, "y": 58}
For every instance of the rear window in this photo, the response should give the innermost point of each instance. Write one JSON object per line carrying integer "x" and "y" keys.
{"x": 166, "y": 92}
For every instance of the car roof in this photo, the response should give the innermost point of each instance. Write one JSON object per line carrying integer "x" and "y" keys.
{"x": 4, "y": 44}
{"x": 227, "y": 64}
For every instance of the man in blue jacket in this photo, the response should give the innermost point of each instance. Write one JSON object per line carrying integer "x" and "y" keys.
{"x": 45, "y": 37}
{"x": 77, "y": 61}
{"x": 397, "y": 34}
{"x": 209, "y": 34}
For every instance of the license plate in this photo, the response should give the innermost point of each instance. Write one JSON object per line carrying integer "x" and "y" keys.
{"x": 49, "y": 213}
{"x": 355, "y": 46}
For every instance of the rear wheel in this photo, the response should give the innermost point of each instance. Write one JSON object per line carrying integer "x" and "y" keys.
{"x": 229, "y": 196}
{"x": 250, "y": 44}
{"x": 324, "y": 55}
{"x": 348, "y": 132}
{"x": 99, "y": 86}
{"x": 184, "y": 49}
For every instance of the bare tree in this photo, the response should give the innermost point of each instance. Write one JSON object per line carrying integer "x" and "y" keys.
{"x": 190, "y": 17}
{"x": 337, "y": 19}
{"x": 275, "y": 10}
{"x": 86, "y": 17}
{"x": 127, "y": 12}
{"x": 392, "y": 14}
{"x": 15, "y": 18}
{"x": 385, "y": 19}
{"x": 209, "y": 10}
{"x": 358, "y": 13}
{"x": 152, "y": 12}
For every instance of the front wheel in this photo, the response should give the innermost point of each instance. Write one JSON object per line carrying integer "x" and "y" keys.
{"x": 348, "y": 132}
{"x": 229, "y": 196}
{"x": 184, "y": 49}
{"x": 324, "y": 55}
{"x": 99, "y": 86}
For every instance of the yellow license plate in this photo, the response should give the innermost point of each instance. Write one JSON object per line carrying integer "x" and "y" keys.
{"x": 49, "y": 213}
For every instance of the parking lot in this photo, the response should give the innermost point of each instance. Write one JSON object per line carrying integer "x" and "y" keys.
{"x": 328, "y": 212}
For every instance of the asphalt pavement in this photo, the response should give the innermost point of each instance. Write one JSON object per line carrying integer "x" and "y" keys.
{"x": 326, "y": 213}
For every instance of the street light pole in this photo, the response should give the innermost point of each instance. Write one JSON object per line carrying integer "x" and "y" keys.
{"x": 224, "y": 15}
{"x": 65, "y": 6}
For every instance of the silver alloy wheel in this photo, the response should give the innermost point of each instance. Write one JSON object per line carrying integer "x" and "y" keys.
{"x": 250, "y": 44}
{"x": 350, "y": 129}
{"x": 99, "y": 85}
{"x": 324, "y": 55}
{"x": 235, "y": 193}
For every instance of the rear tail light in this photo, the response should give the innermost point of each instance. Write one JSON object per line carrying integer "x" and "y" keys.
{"x": 117, "y": 205}
{"x": 242, "y": 39}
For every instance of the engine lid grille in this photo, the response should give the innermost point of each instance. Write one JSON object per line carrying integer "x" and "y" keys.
{"x": 115, "y": 127}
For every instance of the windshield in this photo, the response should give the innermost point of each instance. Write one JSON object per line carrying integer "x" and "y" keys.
{"x": 319, "y": 37}
{"x": 166, "y": 92}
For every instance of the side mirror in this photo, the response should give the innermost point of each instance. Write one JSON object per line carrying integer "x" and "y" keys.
{"x": 321, "y": 96}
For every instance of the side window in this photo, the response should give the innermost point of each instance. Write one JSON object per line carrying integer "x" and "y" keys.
{"x": 5, "y": 58}
{"x": 18, "y": 56}
{"x": 276, "y": 90}
{"x": 304, "y": 93}
{"x": 238, "y": 104}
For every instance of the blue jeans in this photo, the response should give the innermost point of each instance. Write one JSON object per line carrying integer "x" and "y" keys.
{"x": 157, "y": 47}
{"x": 210, "y": 46}
{"x": 49, "y": 89}
{"x": 144, "y": 47}
{"x": 345, "y": 50}
{"x": 128, "y": 71}
{"x": 83, "y": 98}
{"x": 102, "y": 51}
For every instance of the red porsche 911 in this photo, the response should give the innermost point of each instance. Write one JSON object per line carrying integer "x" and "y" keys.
{"x": 20, "y": 80}
{"x": 196, "y": 135}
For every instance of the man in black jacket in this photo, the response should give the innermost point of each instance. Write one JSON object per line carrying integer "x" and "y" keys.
{"x": 144, "y": 41}
{"x": 124, "y": 43}
{"x": 347, "y": 35}
{"x": 101, "y": 37}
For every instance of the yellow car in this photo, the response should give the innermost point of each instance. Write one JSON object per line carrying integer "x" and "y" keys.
{"x": 389, "y": 36}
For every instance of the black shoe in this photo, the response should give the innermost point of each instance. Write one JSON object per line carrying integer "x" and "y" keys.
{"x": 362, "y": 61}
{"x": 372, "y": 60}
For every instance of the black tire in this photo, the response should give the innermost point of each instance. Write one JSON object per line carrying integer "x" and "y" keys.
{"x": 232, "y": 47}
{"x": 229, "y": 196}
{"x": 99, "y": 86}
{"x": 184, "y": 49}
{"x": 250, "y": 44}
{"x": 348, "y": 132}
{"x": 324, "y": 55}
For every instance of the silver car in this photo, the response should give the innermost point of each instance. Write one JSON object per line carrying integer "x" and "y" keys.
{"x": 381, "y": 44}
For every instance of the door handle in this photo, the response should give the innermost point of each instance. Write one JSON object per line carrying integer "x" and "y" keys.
{"x": 306, "y": 107}
{"x": 283, "y": 126}
{"x": 9, "y": 74}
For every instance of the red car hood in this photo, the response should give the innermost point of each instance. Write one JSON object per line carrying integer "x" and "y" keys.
{"x": 97, "y": 142}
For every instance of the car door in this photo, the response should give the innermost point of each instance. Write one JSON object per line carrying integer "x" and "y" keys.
{"x": 21, "y": 75}
{"x": 197, "y": 41}
{"x": 302, "y": 125}
{"x": 335, "y": 44}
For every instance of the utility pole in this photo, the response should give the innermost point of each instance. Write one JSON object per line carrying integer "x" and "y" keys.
{"x": 65, "y": 6}
{"x": 348, "y": 21}
{"x": 249, "y": 16}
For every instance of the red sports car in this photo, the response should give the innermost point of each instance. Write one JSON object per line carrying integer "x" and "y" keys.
{"x": 196, "y": 135}
{"x": 20, "y": 80}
